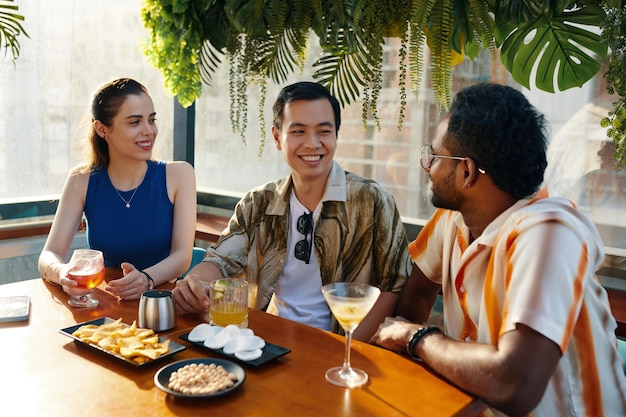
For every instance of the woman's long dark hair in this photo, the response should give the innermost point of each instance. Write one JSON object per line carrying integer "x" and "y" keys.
{"x": 105, "y": 105}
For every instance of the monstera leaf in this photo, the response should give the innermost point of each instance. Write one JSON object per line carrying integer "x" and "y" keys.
{"x": 554, "y": 42}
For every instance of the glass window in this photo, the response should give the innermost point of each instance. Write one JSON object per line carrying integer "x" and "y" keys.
{"x": 390, "y": 156}
{"x": 76, "y": 45}
{"x": 582, "y": 168}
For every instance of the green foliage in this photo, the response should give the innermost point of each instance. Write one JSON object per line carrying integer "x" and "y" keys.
{"x": 474, "y": 25}
{"x": 420, "y": 14}
{"x": 613, "y": 32}
{"x": 174, "y": 45}
{"x": 551, "y": 39}
{"x": 10, "y": 28}
{"x": 556, "y": 40}
{"x": 350, "y": 56}
{"x": 268, "y": 40}
{"x": 439, "y": 40}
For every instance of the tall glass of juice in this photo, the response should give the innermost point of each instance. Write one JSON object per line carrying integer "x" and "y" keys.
{"x": 229, "y": 302}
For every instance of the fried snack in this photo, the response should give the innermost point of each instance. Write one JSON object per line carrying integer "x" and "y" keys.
{"x": 137, "y": 344}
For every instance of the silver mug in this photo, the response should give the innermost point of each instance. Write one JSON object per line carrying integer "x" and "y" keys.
{"x": 157, "y": 310}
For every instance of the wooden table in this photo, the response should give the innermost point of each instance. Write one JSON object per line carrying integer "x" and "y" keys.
{"x": 45, "y": 373}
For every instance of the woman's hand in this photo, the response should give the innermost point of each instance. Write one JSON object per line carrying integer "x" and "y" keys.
{"x": 69, "y": 285}
{"x": 131, "y": 285}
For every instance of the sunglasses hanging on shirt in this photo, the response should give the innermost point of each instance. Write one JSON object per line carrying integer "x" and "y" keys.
{"x": 303, "y": 247}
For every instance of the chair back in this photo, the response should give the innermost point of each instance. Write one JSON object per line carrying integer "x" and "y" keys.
{"x": 196, "y": 257}
{"x": 621, "y": 345}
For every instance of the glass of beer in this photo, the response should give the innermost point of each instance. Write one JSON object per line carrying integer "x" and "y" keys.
{"x": 229, "y": 302}
{"x": 86, "y": 267}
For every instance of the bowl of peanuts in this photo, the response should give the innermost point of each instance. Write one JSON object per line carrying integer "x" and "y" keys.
{"x": 200, "y": 377}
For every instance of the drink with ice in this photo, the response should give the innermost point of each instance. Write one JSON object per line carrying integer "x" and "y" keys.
{"x": 229, "y": 302}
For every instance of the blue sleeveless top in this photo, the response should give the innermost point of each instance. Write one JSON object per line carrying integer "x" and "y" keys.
{"x": 141, "y": 234}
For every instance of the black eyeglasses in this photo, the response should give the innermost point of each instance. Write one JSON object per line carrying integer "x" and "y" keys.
{"x": 303, "y": 247}
{"x": 427, "y": 158}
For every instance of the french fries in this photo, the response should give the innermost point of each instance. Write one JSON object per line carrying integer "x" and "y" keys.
{"x": 133, "y": 343}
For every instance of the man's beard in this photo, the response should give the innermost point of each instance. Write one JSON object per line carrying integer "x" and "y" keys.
{"x": 444, "y": 195}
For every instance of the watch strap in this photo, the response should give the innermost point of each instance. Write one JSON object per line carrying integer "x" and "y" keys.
{"x": 150, "y": 280}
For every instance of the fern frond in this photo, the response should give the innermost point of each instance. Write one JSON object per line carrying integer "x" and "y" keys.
{"x": 342, "y": 75}
{"x": 441, "y": 57}
{"x": 420, "y": 13}
{"x": 281, "y": 47}
{"x": 483, "y": 26}
{"x": 332, "y": 27}
{"x": 210, "y": 59}
{"x": 287, "y": 52}
{"x": 346, "y": 66}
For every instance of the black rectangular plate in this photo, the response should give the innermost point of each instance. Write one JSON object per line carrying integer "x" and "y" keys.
{"x": 174, "y": 347}
{"x": 270, "y": 352}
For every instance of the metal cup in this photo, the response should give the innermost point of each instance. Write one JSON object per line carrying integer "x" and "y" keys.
{"x": 157, "y": 311}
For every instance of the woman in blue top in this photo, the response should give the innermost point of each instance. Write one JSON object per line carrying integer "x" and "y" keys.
{"x": 140, "y": 213}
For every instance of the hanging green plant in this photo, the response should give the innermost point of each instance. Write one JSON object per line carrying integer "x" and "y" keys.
{"x": 613, "y": 31}
{"x": 174, "y": 46}
{"x": 556, "y": 42}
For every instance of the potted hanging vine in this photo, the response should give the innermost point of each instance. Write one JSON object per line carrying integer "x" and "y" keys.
{"x": 549, "y": 45}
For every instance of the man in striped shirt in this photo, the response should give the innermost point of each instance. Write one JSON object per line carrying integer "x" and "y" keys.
{"x": 527, "y": 325}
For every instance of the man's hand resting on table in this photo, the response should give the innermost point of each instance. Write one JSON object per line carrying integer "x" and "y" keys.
{"x": 394, "y": 333}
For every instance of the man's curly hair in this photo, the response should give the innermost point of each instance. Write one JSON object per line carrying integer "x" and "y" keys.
{"x": 506, "y": 135}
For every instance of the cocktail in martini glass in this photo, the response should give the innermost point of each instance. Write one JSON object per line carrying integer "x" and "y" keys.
{"x": 349, "y": 303}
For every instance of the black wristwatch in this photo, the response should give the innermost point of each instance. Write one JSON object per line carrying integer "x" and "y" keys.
{"x": 410, "y": 346}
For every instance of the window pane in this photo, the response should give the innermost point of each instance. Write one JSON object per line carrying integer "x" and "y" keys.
{"x": 388, "y": 155}
{"x": 74, "y": 46}
{"x": 582, "y": 169}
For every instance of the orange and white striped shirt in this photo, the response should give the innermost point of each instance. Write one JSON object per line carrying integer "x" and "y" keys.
{"x": 534, "y": 264}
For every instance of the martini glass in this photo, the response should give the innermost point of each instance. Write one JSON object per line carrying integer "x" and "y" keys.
{"x": 349, "y": 303}
{"x": 86, "y": 267}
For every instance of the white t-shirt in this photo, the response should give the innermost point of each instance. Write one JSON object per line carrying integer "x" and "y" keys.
{"x": 298, "y": 295}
